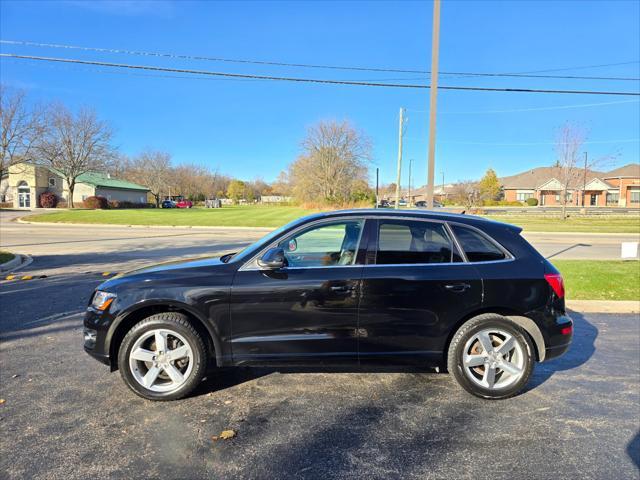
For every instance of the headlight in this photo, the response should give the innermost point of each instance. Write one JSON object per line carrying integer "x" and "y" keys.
{"x": 102, "y": 300}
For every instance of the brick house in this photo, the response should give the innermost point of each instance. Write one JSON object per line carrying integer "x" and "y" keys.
{"x": 619, "y": 187}
{"x": 25, "y": 182}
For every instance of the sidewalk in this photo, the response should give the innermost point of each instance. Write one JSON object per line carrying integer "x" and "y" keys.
{"x": 604, "y": 306}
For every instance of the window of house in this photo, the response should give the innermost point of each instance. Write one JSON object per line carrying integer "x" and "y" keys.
{"x": 52, "y": 181}
{"x": 635, "y": 195}
{"x": 557, "y": 198}
{"x": 414, "y": 242}
{"x": 612, "y": 198}
{"x": 328, "y": 244}
{"x": 476, "y": 246}
{"x": 523, "y": 197}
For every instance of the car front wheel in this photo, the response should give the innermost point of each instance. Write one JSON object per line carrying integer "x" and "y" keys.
{"x": 163, "y": 357}
{"x": 491, "y": 357}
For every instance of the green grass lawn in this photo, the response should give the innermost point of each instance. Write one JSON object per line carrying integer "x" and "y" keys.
{"x": 232, "y": 216}
{"x": 5, "y": 256}
{"x": 275, "y": 216}
{"x": 600, "y": 279}
{"x": 591, "y": 224}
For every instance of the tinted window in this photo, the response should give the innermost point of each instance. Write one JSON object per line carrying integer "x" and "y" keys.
{"x": 409, "y": 242}
{"x": 477, "y": 247}
{"x": 324, "y": 245}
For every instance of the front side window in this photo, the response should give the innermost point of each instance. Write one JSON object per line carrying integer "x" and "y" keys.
{"x": 414, "y": 242}
{"x": 476, "y": 246}
{"x": 329, "y": 244}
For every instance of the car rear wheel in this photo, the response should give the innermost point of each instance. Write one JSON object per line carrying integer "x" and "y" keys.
{"x": 163, "y": 357}
{"x": 491, "y": 357}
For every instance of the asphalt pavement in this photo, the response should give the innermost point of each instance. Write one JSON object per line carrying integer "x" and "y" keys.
{"x": 65, "y": 416}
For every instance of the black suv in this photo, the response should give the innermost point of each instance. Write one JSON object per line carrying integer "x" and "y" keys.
{"x": 357, "y": 287}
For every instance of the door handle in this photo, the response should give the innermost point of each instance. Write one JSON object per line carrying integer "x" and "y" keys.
{"x": 457, "y": 287}
{"x": 342, "y": 288}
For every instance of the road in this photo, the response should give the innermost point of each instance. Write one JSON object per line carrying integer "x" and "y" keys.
{"x": 65, "y": 416}
{"x": 63, "y": 249}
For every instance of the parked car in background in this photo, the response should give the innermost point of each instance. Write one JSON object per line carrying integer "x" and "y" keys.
{"x": 168, "y": 204}
{"x": 423, "y": 204}
{"x": 383, "y": 204}
{"x": 184, "y": 204}
{"x": 355, "y": 287}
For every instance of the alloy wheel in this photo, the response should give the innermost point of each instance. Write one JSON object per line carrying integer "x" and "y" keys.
{"x": 161, "y": 360}
{"x": 493, "y": 359}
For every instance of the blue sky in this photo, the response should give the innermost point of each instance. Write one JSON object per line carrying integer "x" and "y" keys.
{"x": 253, "y": 128}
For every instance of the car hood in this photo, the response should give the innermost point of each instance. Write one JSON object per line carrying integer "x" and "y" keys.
{"x": 174, "y": 268}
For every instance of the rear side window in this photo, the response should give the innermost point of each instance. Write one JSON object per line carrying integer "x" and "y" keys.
{"x": 411, "y": 242}
{"x": 476, "y": 246}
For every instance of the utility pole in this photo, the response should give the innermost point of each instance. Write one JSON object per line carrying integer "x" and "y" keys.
{"x": 409, "y": 199}
{"x": 377, "y": 186}
{"x": 584, "y": 178}
{"x": 433, "y": 97}
{"x": 443, "y": 195}
{"x": 400, "y": 135}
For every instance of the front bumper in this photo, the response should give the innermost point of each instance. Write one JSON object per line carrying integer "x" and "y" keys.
{"x": 96, "y": 326}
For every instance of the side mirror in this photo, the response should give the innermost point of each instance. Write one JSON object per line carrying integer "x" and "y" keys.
{"x": 273, "y": 259}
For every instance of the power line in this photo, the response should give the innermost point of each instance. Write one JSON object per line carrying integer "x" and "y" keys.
{"x": 530, "y": 109}
{"x": 306, "y": 80}
{"x": 331, "y": 67}
{"x": 524, "y": 144}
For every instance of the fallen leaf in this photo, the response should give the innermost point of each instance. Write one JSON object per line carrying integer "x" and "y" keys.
{"x": 2, "y": 401}
{"x": 227, "y": 402}
{"x": 15, "y": 376}
{"x": 225, "y": 435}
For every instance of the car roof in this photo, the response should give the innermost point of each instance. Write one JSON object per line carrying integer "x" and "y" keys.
{"x": 472, "y": 220}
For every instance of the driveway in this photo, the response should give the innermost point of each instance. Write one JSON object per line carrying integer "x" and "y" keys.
{"x": 66, "y": 417}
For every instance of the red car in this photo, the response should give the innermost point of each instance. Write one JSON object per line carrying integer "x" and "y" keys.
{"x": 184, "y": 204}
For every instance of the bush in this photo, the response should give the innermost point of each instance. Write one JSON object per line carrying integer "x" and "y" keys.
{"x": 6, "y": 204}
{"x": 96, "y": 202}
{"x": 501, "y": 203}
{"x": 48, "y": 200}
{"x": 126, "y": 204}
{"x": 532, "y": 202}
{"x": 62, "y": 203}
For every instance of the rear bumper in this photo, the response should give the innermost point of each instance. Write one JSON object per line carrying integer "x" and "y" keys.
{"x": 559, "y": 337}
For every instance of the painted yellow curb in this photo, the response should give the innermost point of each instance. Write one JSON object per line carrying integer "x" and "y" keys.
{"x": 27, "y": 277}
{"x": 106, "y": 274}
{"x": 9, "y": 277}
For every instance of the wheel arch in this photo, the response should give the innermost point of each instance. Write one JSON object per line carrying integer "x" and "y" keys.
{"x": 129, "y": 318}
{"x": 528, "y": 325}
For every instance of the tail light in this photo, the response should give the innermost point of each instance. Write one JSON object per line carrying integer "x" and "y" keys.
{"x": 556, "y": 283}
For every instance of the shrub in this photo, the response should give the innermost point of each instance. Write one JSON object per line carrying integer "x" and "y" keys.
{"x": 48, "y": 200}
{"x": 96, "y": 202}
{"x": 126, "y": 204}
{"x": 6, "y": 204}
{"x": 532, "y": 202}
{"x": 62, "y": 203}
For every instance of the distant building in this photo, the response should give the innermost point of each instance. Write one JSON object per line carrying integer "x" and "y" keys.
{"x": 25, "y": 182}
{"x": 619, "y": 187}
{"x": 275, "y": 199}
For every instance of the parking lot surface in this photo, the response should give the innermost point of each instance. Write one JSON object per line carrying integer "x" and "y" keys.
{"x": 65, "y": 416}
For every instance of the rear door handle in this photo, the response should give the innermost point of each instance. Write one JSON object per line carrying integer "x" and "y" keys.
{"x": 457, "y": 287}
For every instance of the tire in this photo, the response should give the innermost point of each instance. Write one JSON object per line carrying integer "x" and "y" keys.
{"x": 166, "y": 374}
{"x": 505, "y": 370}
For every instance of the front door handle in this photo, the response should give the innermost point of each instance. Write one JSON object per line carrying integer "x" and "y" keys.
{"x": 457, "y": 287}
{"x": 342, "y": 288}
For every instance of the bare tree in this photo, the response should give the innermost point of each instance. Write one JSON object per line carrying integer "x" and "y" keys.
{"x": 152, "y": 169}
{"x": 465, "y": 192}
{"x": 335, "y": 156}
{"x": 75, "y": 144}
{"x": 21, "y": 127}
{"x": 569, "y": 141}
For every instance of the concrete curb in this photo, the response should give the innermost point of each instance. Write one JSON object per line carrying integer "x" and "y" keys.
{"x": 149, "y": 227}
{"x": 23, "y": 261}
{"x": 604, "y": 306}
{"x": 11, "y": 264}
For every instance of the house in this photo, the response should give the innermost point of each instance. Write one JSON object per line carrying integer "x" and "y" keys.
{"x": 619, "y": 187}
{"x": 25, "y": 182}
